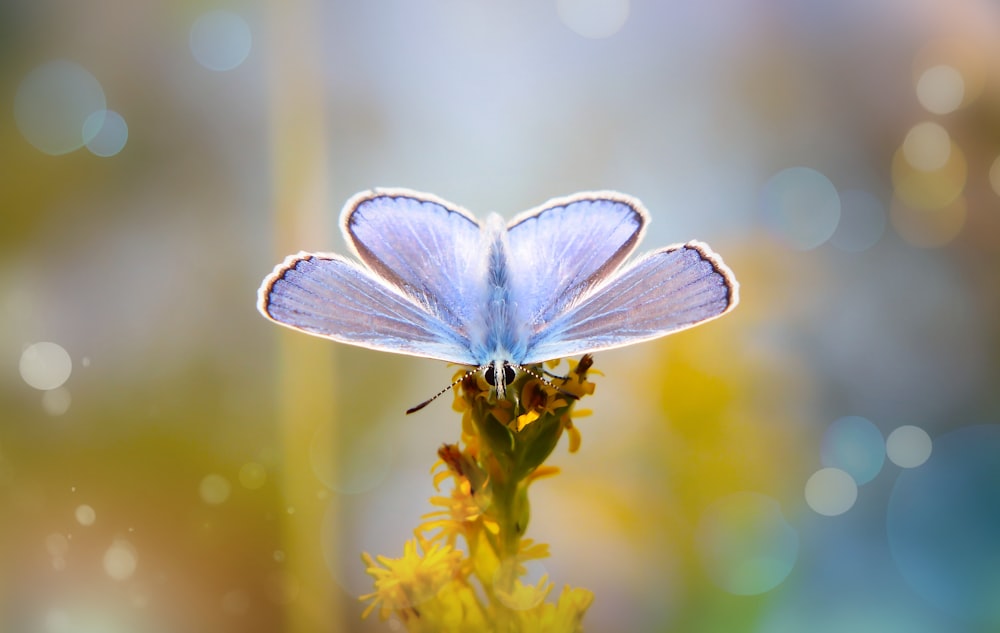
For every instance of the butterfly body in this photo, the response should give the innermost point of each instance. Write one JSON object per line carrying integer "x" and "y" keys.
{"x": 497, "y": 334}
{"x": 433, "y": 281}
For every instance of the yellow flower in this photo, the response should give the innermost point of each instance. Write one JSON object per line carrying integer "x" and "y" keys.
{"x": 464, "y": 388}
{"x": 403, "y": 583}
{"x": 576, "y": 381}
{"x": 566, "y": 616}
{"x": 522, "y": 597}
{"x": 505, "y": 439}
{"x": 543, "y": 471}
{"x": 462, "y": 513}
{"x": 530, "y": 550}
{"x": 574, "y": 434}
{"x": 537, "y": 401}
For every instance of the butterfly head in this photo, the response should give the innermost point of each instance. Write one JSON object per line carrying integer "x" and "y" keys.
{"x": 498, "y": 379}
{"x": 499, "y": 374}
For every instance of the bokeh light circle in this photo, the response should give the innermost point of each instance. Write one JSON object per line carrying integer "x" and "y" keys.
{"x": 831, "y": 491}
{"x": 928, "y": 228}
{"x": 862, "y": 221}
{"x": 45, "y": 365}
{"x": 85, "y": 515}
{"x": 56, "y": 401}
{"x": 941, "y": 89}
{"x": 927, "y": 146}
{"x": 52, "y": 103}
{"x": 801, "y": 206}
{"x": 908, "y": 446}
{"x": 253, "y": 475}
{"x": 214, "y": 489}
{"x": 995, "y": 175}
{"x": 929, "y": 189}
{"x": 356, "y": 460}
{"x": 220, "y": 40}
{"x": 745, "y": 544}
{"x": 945, "y": 65}
{"x": 943, "y": 522}
{"x": 594, "y": 19}
{"x": 855, "y": 445}
{"x": 107, "y": 132}
{"x": 120, "y": 560}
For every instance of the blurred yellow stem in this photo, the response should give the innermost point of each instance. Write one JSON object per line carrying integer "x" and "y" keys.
{"x": 306, "y": 370}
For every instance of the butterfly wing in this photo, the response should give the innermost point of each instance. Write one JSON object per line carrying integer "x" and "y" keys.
{"x": 429, "y": 249}
{"x": 660, "y": 293}
{"x": 567, "y": 246}
{"x": 335, "y": 298}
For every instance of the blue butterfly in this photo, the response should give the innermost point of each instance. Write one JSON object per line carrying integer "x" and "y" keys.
{"x": 434, "y": 281}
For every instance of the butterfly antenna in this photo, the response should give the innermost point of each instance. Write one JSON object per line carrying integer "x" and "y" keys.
{"x": 585, "y": 363}
{"x": 551, "y": 375}
{"x": 443, "y": 391}
{"x": 545, "y": 380}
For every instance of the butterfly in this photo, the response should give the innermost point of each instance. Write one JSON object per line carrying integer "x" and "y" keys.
{"x": 431, "y": 280}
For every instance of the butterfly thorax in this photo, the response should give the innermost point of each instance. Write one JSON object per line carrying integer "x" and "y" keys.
{"x": 499, "y": 337}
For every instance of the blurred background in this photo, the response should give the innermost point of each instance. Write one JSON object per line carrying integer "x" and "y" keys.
{"x": 824, "y": 459}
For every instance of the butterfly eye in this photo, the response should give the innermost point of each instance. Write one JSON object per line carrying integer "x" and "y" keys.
{"x": 491, "y": 374}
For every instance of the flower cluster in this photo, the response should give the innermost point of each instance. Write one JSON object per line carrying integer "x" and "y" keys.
{"x": 440, "y": 586}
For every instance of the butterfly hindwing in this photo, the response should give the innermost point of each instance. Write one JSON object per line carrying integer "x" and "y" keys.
{"x": 330, "y": 296}
{"x": 662, "y": 292}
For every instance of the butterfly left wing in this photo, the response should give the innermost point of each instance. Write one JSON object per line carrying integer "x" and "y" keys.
{"x": 330, "y": 296}
{"x": 660, "y": 293}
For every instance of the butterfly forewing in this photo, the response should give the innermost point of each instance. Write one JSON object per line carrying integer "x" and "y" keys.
{"x": 561, "y": 250}
{"x": 662, "y": 292}
{"x": 426, "y": 247}
{"x": 329, "y": 296}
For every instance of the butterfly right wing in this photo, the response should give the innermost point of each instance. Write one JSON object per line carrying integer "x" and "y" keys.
{"x": 430, "y": 249}
{"x": 561, "y": 250}
{"x": 332, "y": 297}
{"x": 662, "y": 292}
